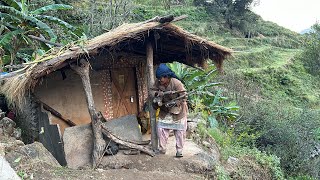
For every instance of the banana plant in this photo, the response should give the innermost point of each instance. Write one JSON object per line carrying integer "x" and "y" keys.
{"x": 18, "y": 21}
{"x": 202, "y": 96}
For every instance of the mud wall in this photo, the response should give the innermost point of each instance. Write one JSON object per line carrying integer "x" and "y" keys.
{"x": 67, "y": 96}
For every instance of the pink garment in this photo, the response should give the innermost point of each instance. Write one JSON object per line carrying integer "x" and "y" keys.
{"x": 180, "y": 136}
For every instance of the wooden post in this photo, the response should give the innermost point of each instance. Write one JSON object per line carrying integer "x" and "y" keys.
{"x": 154, "y": 136}
{"x": 99, "y": 143}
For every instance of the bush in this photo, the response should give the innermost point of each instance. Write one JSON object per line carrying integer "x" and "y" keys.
{"x": 311, "y": 55}
{"x": 287, "y": 132}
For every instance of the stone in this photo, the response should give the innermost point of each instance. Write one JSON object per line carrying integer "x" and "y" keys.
{"x": 6, "y": 172}
{"x": 78, "y": 140}
{"x": 7, "y": 126}
{"x": 126, "y": 127}
{"x": 78, "y": 144}
{"x": 31, "y": 154}
{"x": 206, "y": 144}
{"x": 232, "y": 161}
{"x": 2, "y": 114}
{"x": 200, "y": 163}
{"x": 8, "y": 144}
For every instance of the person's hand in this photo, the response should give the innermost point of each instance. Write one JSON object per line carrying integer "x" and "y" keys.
{"x": 170, "y": 104}
{"x": 159, "y": 93}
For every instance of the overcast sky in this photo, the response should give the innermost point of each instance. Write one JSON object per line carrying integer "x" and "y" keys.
{"x": 296, "y": 15}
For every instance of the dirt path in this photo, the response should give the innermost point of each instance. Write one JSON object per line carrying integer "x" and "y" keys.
{"x": 194, "y": 165}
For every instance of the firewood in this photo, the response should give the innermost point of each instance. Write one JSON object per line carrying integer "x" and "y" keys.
{"x": 127, "y": 143}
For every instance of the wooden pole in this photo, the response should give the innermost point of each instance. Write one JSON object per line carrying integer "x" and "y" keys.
{"x": 154, "y": 135}
{"x": 99, "y": 144}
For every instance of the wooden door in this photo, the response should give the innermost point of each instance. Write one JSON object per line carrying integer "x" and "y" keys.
{"x": 124, "y": 92}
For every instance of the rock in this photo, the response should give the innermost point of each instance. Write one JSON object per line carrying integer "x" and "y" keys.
{"x": 206, "y": 144}
{"x": 191, "y": 127}
{"x": 232, "y": 161}
{"x": 2, "y": 114}
{"x": 17, "y": 133}
{"x": 8, "y": 144}
{"x": 200, "y": 163}
{"x": 6, "y": 172}
{"x": 7, "y": 126}
{"x": 78, "y": 140}
{"x": 31, "y": 154}
{"x": 126, "y": 127}
{"x": 192, "y": 124}
{"x": 78, "y": 144}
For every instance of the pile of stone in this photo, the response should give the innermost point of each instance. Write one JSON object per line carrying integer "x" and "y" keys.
{"x": 15, "y": 156}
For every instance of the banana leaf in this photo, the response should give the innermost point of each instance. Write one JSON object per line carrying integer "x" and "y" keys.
{"x": 61, "y": 23}
{"x": 213, "y": 121}
{"x": 9, "y": 18}
{"x": 52, "y": 7}
{"x": 27, "y": 18}
{"x": 13, "y": 3}
{"x": 7, "y": 38}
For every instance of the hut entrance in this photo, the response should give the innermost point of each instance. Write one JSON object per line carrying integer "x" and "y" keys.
{"x": 124, "y": 92}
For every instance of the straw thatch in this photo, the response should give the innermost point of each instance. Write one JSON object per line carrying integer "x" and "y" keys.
{"x": 171, "y": 44}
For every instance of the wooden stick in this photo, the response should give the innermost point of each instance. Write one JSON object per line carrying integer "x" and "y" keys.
{"x": 118, "y": 140}
{"x": 179, "y": 18}
{"x": 17, "y": 66}
{"x": 166, "y": 19}
{"x": 45, "y": 41}
{"x": 55, "y": 113}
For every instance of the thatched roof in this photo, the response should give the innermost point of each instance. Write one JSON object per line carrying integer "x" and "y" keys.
{"x": 172, "y": 43}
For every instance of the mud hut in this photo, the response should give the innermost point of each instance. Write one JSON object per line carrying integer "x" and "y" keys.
{"x": 110, "y": 74}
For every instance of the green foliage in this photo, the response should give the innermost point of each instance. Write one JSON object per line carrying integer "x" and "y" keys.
{"x": 250, "y": 159}
{"x": 223, "y": 139}
{"x": 203, "y": 97}
{"x": 275, "y": 127}
{"x": 221, "y": 172}
{"x": 236, "y": 14}
{"x": 19, "y": 21}
{"x": 311, "y": 56}
{"x": 98, "y": 16}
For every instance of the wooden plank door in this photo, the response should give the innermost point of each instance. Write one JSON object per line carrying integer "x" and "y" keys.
{"x": 124, "y": 92}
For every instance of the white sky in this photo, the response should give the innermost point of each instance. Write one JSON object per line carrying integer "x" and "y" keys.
{"x": 296, "y": 15}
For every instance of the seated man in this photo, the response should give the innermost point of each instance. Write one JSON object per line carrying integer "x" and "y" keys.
{"x": 173, "y": 108}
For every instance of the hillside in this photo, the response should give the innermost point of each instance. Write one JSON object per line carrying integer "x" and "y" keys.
{"x": 265, "y": 117}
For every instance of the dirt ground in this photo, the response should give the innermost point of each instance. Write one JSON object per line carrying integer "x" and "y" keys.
{"x": 196, "y": 164}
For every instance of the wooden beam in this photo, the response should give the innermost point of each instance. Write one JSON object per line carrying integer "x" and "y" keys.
{"x": 55, "y": 113}
{"x": 154, "y": 136}
{"x": 99, "y": 144}
{"x": 166, "y": 19}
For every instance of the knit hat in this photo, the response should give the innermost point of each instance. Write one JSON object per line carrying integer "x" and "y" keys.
{"x": 164, "y": 71}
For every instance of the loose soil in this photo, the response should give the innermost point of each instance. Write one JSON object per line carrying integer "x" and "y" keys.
{"x": 196, "y": 164}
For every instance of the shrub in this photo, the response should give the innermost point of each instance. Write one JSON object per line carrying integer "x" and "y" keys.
{"x": 287, "y": 132}
{"x": 311, "y": 55}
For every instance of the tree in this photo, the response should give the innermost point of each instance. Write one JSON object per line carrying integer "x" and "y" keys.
{"x": 18, "y": 22}
{"x": 236, "y": 13}
{"x": 99, "y": 16}
{"x": 311, "y": 54}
